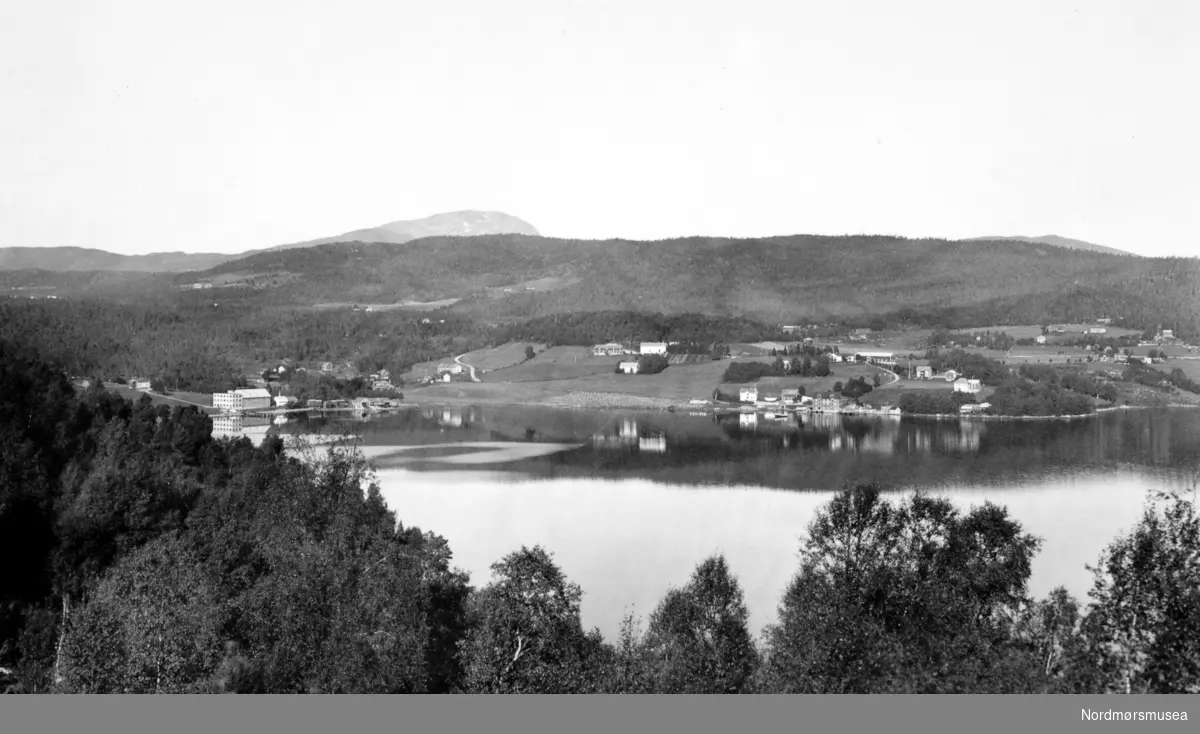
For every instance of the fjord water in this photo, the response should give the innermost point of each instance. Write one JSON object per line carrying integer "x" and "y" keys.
{"x": 630, "y": 503}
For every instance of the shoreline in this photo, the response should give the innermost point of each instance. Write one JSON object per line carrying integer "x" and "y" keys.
{"x": 620, "y": 402}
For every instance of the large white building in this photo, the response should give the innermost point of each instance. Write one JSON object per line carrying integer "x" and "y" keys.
{"x": 236, "y": 401}
{"x": 877, "y": 357}
{"x": 611, "y": 349}
{"x": 629, "y": 368}
{"x": 962, "y": 384}
{"x": 653, "y": 348}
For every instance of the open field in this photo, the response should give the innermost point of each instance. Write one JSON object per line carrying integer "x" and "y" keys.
{"x": 679, "y": 382}
{"x": 497, "y": 358}
{"x": 1045, "y": 355}
{"x": 1190, "y": 367}
{"x": 402, "y": 306}
{"x": 174, "y": 400}
{"x": 556, "y": 363}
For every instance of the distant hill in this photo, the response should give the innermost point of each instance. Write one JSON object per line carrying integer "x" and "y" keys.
{"x": 78, "y": 259}
{"x": 462, "y": 223}
{"x": 777, "y": 279}
{"x": 81, "y": 259}
{"x": 1056, "y": 241}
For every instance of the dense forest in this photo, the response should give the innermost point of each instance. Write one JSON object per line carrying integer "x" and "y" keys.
{"x": 194, "y": 345}
{"x": 871, "y": 280}
{"x": 155, "y": 558}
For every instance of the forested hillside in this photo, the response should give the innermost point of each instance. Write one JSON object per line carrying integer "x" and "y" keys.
{"x": 782, "y": 278}
{"x": 155, "y": 559}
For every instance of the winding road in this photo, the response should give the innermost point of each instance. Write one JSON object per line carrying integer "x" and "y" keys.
{"x": 458, "y": 359}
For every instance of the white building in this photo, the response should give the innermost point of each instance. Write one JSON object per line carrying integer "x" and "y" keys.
{"x": 236, "y": 401}
{"x": 877, "y": 357}
{"x": 141, "y": 384}
{"x": 1040, "y": 339}
{"x": 748, "y": 395}
{"x": 611, "y": 349}
{"x": 629, "y": 368}
{"x": 962, "y": 384}
{"x": 283, "y": 401}
{"x": 834, "y": 357}
{"x": 653, "y": 348}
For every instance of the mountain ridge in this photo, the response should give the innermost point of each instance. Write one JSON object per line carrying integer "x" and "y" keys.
{"x": 1055, "y": 241}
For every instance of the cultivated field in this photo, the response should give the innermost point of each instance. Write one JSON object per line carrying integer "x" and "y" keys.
{"x": 498, "y": 358}
{"x": 678, "y": 382}
{"x": 556, "y": 363}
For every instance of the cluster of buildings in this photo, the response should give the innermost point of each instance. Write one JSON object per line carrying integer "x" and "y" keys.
{"x": 613, "y": 349}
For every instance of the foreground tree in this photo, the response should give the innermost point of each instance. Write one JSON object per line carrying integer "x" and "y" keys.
{"x": 905, "y": 597}
{"x": 150, "y": 626}
{"x": 1144, "y": 622}
{"x": 699, "y": 639}
{"x": 526, "y": 635}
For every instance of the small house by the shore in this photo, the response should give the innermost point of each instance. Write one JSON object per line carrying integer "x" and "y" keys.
{"x": 748, "y": 394}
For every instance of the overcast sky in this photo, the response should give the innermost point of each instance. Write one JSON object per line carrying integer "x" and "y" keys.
{"x": 221, "y": 126}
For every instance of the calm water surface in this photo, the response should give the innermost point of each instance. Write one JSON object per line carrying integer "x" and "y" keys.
{"x": 630, "y": 503}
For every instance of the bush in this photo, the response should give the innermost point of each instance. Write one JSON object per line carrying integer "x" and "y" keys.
{"x": 651, "y": 364}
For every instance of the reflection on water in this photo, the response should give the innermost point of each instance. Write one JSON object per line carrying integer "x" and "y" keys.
{"x": 630, "y": 503}
{"x": 238, "y": 426}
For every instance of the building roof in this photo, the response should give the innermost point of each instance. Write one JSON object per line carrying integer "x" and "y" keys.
{"x": 253, "y": 392}
{"x": 653, "y": 344}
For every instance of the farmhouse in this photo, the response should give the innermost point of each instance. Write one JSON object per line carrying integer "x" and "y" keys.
{"x": 244, "y": 399}
{"x": 449, "y": 368}
{"x": 876, "y": 357}
{"x": 1040, "y": 339}
{"x": 919, "y": 369}
{"x": 748, "y": 395}
{"x": 962, "y": 384}
{"x": 790, "y": 395}
{"x": 629, "y": 368}
{"x": 283, "y": 401}
{"x": 834, "y": 357}
{"x": 653, "y": 348}
{"x": 612, "y": 349}
{"x": 141, "y": 384}
{"x": 974, "y": 407}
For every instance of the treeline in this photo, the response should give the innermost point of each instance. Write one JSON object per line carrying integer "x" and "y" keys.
{"x": 797, "y": 366}
{"x": 934, "y": 402}
{"x": 1080, "y": 382}
{"x": 1023, "y": 397}
{"x": 968, "y": 364}
{"x": 193, "y": 345}
{"x": 997, "y": 340}
{"x": 585, "y": 329}
{"x": 1150, "y": 377}
{"x": 156, "y": 559}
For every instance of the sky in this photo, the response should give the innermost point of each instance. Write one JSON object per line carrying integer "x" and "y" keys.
{"x": 146, "y": 126}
